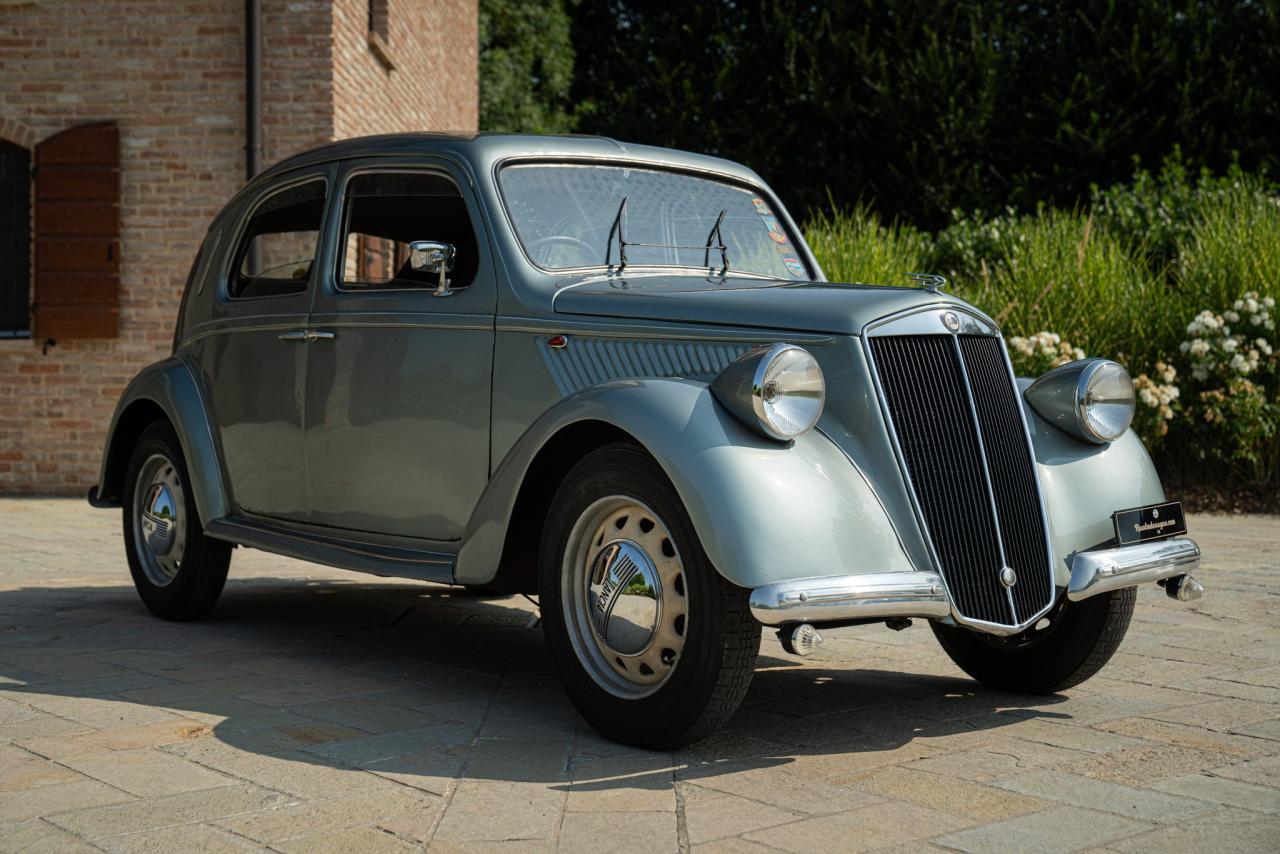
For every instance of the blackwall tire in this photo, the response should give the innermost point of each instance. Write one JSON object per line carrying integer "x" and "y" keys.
{"x": 667, "y": 659}
{"x": 1081, "y": 638}
{"x": 178, "y": 572}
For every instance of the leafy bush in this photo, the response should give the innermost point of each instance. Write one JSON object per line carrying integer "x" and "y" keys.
{"x": 1159, "y": 213}
{"x": 1175, "y": 276}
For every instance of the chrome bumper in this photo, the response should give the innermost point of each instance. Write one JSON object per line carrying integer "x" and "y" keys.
{"x": 837, "y": 598}
{"x": 1111, "y": 569}
{"x": 877, "y": 595}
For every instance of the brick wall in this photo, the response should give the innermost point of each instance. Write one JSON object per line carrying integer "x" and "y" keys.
{"x": 432, "y": 84}
{"x": 172, "y": 76}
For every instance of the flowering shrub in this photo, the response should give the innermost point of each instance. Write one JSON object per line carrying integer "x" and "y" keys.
{"x": 1235, "y": 366}
{"x": 1157, "y": 402}
{"x": 1041, "y": 352}
{"x": 1127, "y": 276}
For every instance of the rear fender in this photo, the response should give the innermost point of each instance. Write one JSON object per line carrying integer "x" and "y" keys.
{"x": 765, "y": 511}
{"x": 165, "y": 389}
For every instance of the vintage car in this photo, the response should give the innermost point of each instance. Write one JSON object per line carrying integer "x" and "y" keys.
{"x": 615, "y": 376}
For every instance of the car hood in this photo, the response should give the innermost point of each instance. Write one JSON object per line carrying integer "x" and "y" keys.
{"x": 762, "y": 303}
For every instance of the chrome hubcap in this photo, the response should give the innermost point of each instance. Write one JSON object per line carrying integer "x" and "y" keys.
{"x": 159, "y": 516}
{"x": 624, "y": 597}
{"x": 159, "y": 526}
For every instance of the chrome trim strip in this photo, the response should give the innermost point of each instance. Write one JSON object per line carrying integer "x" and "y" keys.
{"x": 874, "y": 595}
{"x": 1105, "y": 570}
{"x": 927, "y": 320}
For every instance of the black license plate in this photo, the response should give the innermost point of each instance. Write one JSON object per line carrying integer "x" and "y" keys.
{"x": 1153, "y": 522}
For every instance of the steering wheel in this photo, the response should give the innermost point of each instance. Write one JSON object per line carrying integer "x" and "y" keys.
{"x": 564, "y": 240}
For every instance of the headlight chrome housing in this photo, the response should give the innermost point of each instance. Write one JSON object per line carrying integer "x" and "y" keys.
{"x": 778, "y": 390}
{"x": 1091, "y": 399}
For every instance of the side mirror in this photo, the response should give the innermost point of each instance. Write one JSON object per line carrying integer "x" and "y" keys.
{"x": 428, "y": 256}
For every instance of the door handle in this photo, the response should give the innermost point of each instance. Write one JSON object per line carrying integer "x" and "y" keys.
{"x": 293, "y": 335}
{"x": 318, "y": 335}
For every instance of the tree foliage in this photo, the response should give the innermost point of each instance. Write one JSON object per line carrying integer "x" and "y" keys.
{"x": 526, "y": 66}
{"x": 919, "y": 107}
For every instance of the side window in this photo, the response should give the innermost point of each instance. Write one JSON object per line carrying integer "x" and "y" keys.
{"x": 385, "y": 212}
{"x": 278, "y": 247}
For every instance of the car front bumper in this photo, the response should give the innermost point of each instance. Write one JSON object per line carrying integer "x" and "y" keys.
{"x": 881, "y": 595}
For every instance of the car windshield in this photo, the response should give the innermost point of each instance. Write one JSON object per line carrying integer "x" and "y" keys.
{"x": 564, "y": 213}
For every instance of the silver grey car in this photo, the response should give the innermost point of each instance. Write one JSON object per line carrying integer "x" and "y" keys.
{"x": 616, "y": 378}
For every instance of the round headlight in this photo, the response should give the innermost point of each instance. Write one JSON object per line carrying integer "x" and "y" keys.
{"x": 1091, "y": 399}
{"x": 1106, "y": 401}
{"x": 778, "y": 391}
{"x": 788, "y": 392}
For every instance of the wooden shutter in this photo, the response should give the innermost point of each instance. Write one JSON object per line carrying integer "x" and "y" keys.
{"x": 77, "y": 233}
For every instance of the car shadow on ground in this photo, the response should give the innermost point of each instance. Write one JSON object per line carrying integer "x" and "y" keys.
{"x": 424, "y": 682}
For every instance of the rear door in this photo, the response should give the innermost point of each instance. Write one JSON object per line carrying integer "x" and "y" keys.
{"x": 253, "y": 350}
{"x": 398, "y": 379}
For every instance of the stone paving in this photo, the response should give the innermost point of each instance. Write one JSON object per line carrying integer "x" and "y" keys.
{"x": 323, "y": 711}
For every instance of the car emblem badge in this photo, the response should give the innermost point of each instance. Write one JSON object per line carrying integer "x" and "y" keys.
{"x": 1008, "y": 577}
{"x": 951, "y": 320}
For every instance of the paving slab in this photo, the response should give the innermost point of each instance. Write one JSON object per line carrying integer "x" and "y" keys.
{"x": 317, "y": 710}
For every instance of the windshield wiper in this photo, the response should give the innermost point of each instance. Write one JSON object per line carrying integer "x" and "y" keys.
{"x": 724, "y": 250}
{"x": 619, "y": 229}
{"x": 622, "y": 240}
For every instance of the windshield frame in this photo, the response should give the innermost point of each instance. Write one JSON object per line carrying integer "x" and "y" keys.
{"x": 806, "y": 257}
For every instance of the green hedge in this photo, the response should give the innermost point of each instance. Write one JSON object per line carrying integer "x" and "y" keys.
{"x": 1173, "y": 275}
{"x": 920, "y": 106}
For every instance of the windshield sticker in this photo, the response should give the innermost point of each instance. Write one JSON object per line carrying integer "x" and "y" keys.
{"x": 761, "y": 207}
{"x": 776, "y": 234}
{"x": 794, "y": 267}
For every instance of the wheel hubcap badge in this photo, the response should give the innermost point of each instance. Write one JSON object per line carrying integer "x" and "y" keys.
{"x": 625, "y": 596}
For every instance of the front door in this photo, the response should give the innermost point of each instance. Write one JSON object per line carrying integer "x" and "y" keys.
{"x": 397, "y": 400}
{"x": 253, "y": 351}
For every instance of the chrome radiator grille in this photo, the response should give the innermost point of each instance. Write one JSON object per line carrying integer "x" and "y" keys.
{"x": 955, "y": 413}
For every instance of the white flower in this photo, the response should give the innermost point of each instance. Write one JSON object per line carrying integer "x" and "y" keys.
{"x": 1239, "y": 364}
{"x": 1263, "y": 346}
{"x": 1184, "y": 346}
{"x": 1199, "y": 347}
{"x": 1148, "y": 396}
{"x": 1229, "y": 345}
{"x": 1269, "y": 302}
{"x": 1258, "y": 319}
{"x": 1251, "y": 305}
{"x": 1231, "y": 316}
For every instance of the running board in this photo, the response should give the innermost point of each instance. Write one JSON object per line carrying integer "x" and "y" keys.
{"x": 373, "y": 558}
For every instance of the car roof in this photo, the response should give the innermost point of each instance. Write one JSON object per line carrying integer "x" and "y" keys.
{"x": 483, "y": 150}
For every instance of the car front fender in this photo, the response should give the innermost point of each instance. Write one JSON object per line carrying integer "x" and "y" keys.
{"x": 765, "y": 511}
{"x": 1083, "y": 484}
{"x": 165, "y": 389}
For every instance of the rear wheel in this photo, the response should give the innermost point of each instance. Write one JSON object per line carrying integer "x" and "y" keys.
{"x": 1079, "y": 638}
{"x": 653, "y": 646}
{"x": 178, "y": 571}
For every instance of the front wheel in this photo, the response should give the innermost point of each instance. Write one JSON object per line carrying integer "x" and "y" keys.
{"x": 1074, "y": 644}
{"x": 653, "y": 647}
{"x": 178, "y": 571}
